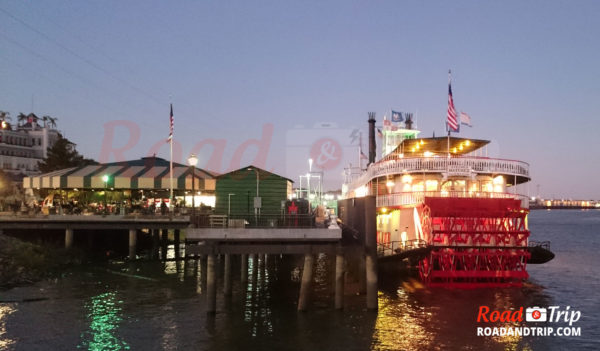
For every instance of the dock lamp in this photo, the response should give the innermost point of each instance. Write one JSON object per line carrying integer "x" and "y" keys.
{"x": 193, "y": 161}
{"x": 105, "y": 180}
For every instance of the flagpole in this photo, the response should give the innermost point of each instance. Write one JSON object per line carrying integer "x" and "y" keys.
{"x": 360, "y": 150}
{"x": 447, "y": 125}
{"x": 171, "y": 163}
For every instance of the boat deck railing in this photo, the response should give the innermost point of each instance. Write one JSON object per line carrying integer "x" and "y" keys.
{"x": 396, "y": 247}
{"x": 417, "y": 197}
{"x": 542, "y": 244}
{"x": 463, "y": 165}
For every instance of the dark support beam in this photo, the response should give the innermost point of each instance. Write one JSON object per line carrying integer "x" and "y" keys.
{"x": 307, "y": 276}
{"x": 164, "y": 243}
{"x": 371, "y": 252}
{"x": 155, "y": 243}
{"x": 176, "y": 241}
{"x": 339, "y": 280}
{"x": 244, "y": 271}
{"x": 211, "y": 284}
{"x": 227, "y": 275}
{"x": 69, "y": 238}
{"x": 132, "y": 243}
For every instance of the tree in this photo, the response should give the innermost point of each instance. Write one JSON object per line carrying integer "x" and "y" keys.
{"x": 50, "y": 120}
{"x": 63, "y": 155}
{"x": 5, "y": 116}
{"x": 21, "y": 118}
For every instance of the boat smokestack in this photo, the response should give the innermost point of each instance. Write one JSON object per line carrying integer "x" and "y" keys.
{"x": 372, "y": 145}
{"x": 409, "y": 122}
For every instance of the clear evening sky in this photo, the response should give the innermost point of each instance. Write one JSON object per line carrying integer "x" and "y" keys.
{"x": 527, "y": 72}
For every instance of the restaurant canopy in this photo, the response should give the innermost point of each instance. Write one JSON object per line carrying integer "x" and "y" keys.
{"x": 147, "y": 173}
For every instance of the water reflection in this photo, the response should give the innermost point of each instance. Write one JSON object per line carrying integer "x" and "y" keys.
{"x": 5, "y": 341}
{"x": 105, "y": 317}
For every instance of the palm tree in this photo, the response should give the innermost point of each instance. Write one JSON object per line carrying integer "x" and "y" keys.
{"x": 21, "y": 118}
{"x": 5, "y": 116}
{"x": 51, "y": 121}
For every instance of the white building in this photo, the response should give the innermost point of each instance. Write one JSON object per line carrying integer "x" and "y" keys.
{"x": 24, "y": 146}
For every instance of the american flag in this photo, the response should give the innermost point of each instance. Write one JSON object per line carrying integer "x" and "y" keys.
{"x": 452, "y": 122}
{"x": 171, "y": 125}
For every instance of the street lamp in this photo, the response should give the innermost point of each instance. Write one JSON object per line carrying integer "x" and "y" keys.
{"x": 193, "y": 161}
{"x": 105, "y": 180}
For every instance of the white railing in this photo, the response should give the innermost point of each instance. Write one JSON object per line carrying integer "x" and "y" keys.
{"x": 453, "y": 166}
{"x": 412, "y": 198}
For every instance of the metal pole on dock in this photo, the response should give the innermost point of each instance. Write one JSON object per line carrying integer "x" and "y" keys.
{"x": 371, "y": 251}
{"x": 307, "y": 274}
{"x": 211, "y": 285}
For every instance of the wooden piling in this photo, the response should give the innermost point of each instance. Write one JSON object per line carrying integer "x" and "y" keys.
{"x": 305, "y": 286}
{"x": 132, "y": 243}
{"x": 68, "y": 238}
{"x": 371, "y": 252}
{"x": 227, "y": 275}
{"x": 176, "y": 242}
{"x": 155, "y": 243}
{"x": 164, "y": 243}
{"x": 211, "y": 284}
{"x": 339, "y": 281}
{"x": 244, "y": 271}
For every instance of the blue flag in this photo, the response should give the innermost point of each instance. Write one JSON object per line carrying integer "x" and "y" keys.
{"x": 397, "y": 116}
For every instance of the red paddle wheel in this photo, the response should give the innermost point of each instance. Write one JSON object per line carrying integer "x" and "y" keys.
{"x": 475, "y": 242}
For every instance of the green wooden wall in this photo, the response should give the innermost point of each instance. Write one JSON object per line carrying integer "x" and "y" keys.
{"x": 272, "y": 189}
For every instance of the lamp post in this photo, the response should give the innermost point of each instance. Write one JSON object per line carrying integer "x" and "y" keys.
{"x": 105, "y": 180}
{"x": 193, "y": 161}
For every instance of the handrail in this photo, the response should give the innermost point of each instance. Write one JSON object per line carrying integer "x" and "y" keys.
{"x": 453, "y": 165}
{"x": 253, "y": 221}
{"x": 542, "y": 244}
{"x": 394, "y": 247}
{"x": 417, "y": 197}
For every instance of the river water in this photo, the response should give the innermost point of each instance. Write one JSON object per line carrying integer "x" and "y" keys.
{"x": 160, "y": 306}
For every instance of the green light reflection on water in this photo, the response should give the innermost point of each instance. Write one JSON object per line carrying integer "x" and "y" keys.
{"x": 104, "y": 313}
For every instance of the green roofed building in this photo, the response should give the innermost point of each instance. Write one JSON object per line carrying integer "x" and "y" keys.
{"x": 236, "y": 190}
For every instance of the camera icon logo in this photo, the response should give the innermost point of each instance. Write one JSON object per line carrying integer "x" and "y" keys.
{"x": 535, "y": 314}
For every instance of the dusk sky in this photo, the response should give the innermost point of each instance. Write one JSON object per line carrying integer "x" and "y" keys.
{"x": 527, "y": 72}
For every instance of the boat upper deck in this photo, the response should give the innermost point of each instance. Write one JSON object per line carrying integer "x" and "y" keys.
{"x": 462, "y": 166}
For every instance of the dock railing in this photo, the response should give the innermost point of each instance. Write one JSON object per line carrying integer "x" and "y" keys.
{"x": 252, "y": 221}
